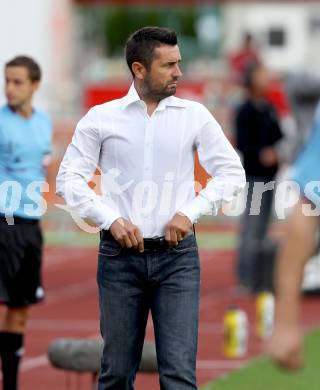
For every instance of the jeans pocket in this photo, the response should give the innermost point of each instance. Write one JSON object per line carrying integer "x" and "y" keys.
{"x": 109, "y": 248}
{"x": 188, "y": 244}
{"x": 183, "y": 250}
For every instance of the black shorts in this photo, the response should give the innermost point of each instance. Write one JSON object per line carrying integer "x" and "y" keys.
{"x": 20, "y": 262}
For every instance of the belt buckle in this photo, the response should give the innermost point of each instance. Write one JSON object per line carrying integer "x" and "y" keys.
{"x": 154, "y": 243}
{"x": 159, "y": 240}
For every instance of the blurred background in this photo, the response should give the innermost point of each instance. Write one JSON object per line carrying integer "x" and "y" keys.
{"x": 79, "y": 45}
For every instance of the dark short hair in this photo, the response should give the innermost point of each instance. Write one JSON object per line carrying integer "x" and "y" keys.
{"x": 141, "y": 44}
{"x": 29, "y": 63}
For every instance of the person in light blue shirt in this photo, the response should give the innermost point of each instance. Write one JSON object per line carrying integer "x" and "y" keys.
{"x": 286, "y": 344}
{"x": 25, "y": 144}
{"x": 306, "y": 168}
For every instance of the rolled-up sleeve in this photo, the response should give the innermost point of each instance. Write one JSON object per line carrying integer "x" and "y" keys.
{"x": 221, "y": 161}
{"x": 77, "y": 169}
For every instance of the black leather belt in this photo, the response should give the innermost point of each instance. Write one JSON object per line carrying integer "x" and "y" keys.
{"x": 154, "y": 243}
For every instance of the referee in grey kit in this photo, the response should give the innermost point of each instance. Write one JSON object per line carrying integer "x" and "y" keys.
{"x": 144, "y": 144}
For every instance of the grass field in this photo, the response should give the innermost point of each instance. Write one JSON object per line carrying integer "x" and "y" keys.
{"x": 262, "y": 374}
{"x": 61, "y": 231}
{"x": 75, "y": 238}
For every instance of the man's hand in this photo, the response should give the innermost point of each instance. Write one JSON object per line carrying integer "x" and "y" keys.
{"x": 177, "y": 229}
{"x": 127, "y": 234}
{"x": 269, "y": 156}
{"x": 285, "y": 346}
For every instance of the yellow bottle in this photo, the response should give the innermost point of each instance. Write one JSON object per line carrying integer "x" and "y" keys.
{"x": 235, "y": 326}
{"x": 264, "y": 314}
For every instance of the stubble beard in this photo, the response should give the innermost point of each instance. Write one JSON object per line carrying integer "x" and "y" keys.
{"x": 156, "y": 93}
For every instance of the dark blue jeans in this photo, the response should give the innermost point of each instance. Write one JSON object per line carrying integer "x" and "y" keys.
{"x": 167, "y": 282}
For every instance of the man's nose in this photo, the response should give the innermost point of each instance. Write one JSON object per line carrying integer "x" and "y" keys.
{"x": 177, "y": 71}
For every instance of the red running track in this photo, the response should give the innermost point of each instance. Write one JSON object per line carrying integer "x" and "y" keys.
{"x": 71, "y": 310}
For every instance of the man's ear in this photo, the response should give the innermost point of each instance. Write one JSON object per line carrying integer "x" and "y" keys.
{"x": 138, "y": 70}
{"x": 35, "y": 85}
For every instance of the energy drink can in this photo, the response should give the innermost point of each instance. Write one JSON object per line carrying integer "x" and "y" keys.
{"x": 264, "y": 314}
{"x": 235, "y": 326}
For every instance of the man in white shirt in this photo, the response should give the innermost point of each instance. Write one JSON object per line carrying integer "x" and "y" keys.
{"x": 144, "y": 145}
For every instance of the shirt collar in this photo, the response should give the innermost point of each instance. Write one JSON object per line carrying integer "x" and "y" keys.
{"x": 171, "y": 101}
{"x": 132, "y": 97}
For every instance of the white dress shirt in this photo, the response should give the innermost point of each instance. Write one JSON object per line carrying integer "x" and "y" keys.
{"x": 147, "y": 163}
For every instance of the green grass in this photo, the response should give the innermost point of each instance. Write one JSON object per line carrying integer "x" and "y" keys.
{"x": 71, "y": 239}
{"x": 61, "y": 231}
{"x": 215, "y": 240}
{"x": 262, "y": 374}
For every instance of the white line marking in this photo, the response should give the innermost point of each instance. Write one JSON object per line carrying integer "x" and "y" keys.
{"x": 35, "y": 362}
{"x": 29, "y": 364}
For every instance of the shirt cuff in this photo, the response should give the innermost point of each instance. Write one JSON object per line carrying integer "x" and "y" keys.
{"x": 197, "y": 207}
{"x": 110, "y": 217}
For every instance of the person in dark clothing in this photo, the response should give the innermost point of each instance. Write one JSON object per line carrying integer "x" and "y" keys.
{"x": 257, "y": 134}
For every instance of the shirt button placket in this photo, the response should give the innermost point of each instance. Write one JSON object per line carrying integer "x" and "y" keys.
{"x": 148, "y": 151}
{"x": 148, "y": 161}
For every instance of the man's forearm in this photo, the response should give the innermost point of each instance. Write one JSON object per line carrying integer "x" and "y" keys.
{"x": 295, "y": 252}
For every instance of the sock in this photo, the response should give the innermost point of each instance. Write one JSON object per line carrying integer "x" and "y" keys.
{"x": 11, "y": 350}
